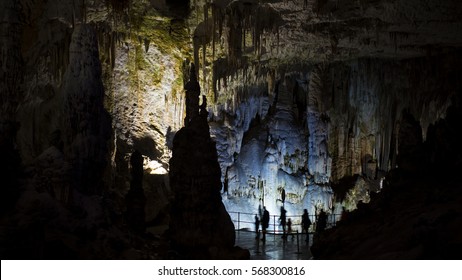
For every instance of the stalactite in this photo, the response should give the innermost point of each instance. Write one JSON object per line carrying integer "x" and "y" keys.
{"x": 204, "y": 61}
{"x": 277, "y": 46}
{"x": 58, "y": 56}
{"x": 218, "y": 17}
{"x": 113, "y": 49}
{"x": 84, "y": 12}
{"x": 213, "y": 36}
{"x": 119, "y": 6}
{"x": 243, "y": 38}
{"x": 206, "y": 14}
{"x": 241, "y": 19}
{"x": 146, "y": 44}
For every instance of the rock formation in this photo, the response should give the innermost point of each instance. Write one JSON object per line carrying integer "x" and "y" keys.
{"x": 417, "y": 213}
{"x": 193, "y": 92}
{"x": 85, "y": 125}
{"x": 200, "y": 227}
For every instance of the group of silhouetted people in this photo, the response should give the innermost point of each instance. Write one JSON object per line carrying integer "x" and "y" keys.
{"x": 263, "y": 220}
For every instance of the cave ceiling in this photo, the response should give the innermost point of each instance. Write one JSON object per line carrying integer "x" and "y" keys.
{"x": 290, "y": 32}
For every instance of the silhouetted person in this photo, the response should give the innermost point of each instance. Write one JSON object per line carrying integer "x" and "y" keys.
{"x": 344, "y": 214}
{"x": 203, "y": 108}
{"x": 306, "y": 223}
{"x": 265, "y": 222}
{"x": 282, "y": 219}
{"x": 257, "y": 227}
{"x": 289, "y": 228}
{"x": 321, "y": 223}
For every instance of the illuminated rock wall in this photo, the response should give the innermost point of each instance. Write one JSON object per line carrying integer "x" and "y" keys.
{"x": 350, "y": 126}
{"x": 351, "y": 107}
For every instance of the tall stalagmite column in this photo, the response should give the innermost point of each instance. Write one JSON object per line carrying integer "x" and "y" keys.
{"x": 193, "y": 92}
{"x": 85, "y": 123}
{"x": 199, "y": 224}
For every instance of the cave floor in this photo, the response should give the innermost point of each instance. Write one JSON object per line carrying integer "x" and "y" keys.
{"x": 275, "y": 248}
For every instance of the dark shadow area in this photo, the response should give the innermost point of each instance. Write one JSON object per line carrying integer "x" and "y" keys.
{"x": 343, "y": 186}
{"x": 146, "y": 146}
{"x": 178, "y": 8}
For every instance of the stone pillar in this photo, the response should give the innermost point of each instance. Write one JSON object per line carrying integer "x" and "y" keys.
{"x": 200, "y": 227}
{"x": 85, "y": 124}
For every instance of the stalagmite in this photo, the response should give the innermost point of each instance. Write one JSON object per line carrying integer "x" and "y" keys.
{"x": 200, "y": 226}
{"x": 192, "y": 96}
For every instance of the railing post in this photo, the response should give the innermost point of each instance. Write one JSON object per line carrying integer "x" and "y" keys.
{"x": 298, "y": 244}
{"x": 274, "y": 225}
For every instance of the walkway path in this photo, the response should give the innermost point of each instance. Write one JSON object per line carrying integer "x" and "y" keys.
{"x": 275, "y": 248}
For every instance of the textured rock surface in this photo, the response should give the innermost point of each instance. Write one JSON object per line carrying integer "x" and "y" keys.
{"x": 352, "y": 105}
{"x": 68, "y": 205}
{"x": 353, "y": 116}
{"x": 273, "y": 158}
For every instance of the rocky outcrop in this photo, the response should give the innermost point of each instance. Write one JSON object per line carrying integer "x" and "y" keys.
{"x": 363, "y": 101}
{"x": 417, "y": 213}
{"x": 67, "y": 206}
{"x": 200, "y": 227}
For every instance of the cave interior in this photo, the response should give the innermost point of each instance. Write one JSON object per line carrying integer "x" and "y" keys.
{"x": 141, "y": 129}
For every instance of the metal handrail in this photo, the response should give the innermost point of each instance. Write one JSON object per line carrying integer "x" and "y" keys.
{"x": 331, "y": 220}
